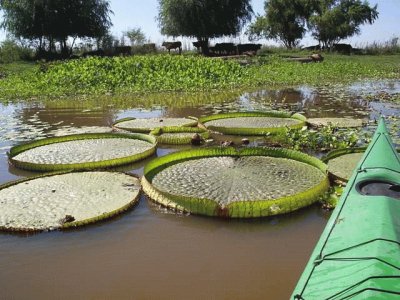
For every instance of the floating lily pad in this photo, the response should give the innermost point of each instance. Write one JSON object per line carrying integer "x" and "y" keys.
{"x": 82, "y": 151}
{"x": 253, "y": 123}
{"x": 57, "y": 201}
{"x": 178, "y": 135}
{"x": 147, "y": 125}
{"x": 338, "y": 122}
{"x": 254, "y": 182}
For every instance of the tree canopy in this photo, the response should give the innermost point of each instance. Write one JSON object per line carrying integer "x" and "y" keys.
{"x": 284, "y": 21}
{"x": 51, "y": 21}
{"x": 203, "y": 19}
{"x": 335, "y": 20}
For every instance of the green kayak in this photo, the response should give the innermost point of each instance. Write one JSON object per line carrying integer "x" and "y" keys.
{"x": 358, "y": 254}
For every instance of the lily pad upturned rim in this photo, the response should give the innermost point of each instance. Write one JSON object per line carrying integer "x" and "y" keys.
{"x": 239, "y": 209}
{"x": 74, "y": 224}
{"x": 148, "y": 130}
{"x": 158, "y": 133}
{"x": 81, "y": 166}
{"x": 254, "y": 131}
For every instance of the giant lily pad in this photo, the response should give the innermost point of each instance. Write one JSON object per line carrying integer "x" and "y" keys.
{"x": 147, "y": 125}
{"x": 337, "y": 122}
{"x": 57, "y": 201}
{"x": 254, "y": 182}
{"x": 82, "y": 151}
{"x": 253, "y": 123}
{"x": 342, "y": 162}
{"x": 179, "y": 135}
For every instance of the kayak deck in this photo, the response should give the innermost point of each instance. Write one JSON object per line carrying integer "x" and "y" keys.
{"x": 358, "y": 254}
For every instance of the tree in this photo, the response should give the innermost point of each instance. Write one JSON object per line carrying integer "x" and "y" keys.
{"x": 52, "y": 21}
{"x": 136, "y": 36}
{"x": 203, "y": 19}
{"x": 284, "y": 21}
{"x": 335, "y": 20}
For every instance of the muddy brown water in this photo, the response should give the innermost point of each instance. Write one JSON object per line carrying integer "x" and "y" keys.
{"x": 153, "y": 253}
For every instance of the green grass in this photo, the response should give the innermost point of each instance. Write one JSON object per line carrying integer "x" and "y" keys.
{"x": 166, "y": 73}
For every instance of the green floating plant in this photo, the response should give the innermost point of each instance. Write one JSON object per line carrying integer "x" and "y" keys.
{"x": 82, "y": 151}
{"x": 247, "y": 183}
{"x": 65, "y": 200}
{"x": 149, "y": 124}
{"x": 253, "y": 123}
{"x": 179, "y": 135}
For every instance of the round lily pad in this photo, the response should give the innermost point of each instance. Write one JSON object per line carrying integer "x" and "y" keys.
{"x": 253, "y": 123}
{"x": 338, "y": 122}
{"x": 147, "y": 125}
{"x": 179, "y": 135}
{"x": 82, "y": 151}
{"x": 64, "y": 200}
{"x": 253, "y": 182}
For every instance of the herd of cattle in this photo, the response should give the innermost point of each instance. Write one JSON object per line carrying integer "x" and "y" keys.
{"x": 219, "y": 49}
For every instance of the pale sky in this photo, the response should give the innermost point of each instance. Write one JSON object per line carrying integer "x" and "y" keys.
{"x": 140, "y": 13}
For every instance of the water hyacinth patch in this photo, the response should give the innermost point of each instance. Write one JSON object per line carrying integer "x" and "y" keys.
{"x": 149, "y": 124}
{"x": 253, "y": 182}
{"x": 65, "y": 200}
{"x": 253, "y": 123}
{"x": 82, "y": 151}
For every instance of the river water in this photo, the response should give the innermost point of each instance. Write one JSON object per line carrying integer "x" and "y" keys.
{"x": 150, "y": 252}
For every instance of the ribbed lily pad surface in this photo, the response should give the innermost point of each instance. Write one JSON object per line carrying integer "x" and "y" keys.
{"x": 251, "y": 183}
{"x": 80, "y": 152}
{"x": 342, "y": 162}
{"x": 253, "y": 123}
{"x": 146, "y": 125}
{"x": 338, "y": 122}
{"x": 343, "y": 166}
{"x": 65, "y": 200}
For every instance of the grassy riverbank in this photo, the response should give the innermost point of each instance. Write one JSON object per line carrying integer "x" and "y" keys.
{"x": 158, "y": 73}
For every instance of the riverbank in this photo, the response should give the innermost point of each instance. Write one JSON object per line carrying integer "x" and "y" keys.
{"x": 166, "y": 73}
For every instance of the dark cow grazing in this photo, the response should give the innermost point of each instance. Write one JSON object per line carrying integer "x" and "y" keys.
{"x": 248, "y": 48}
{"x": 312, "y": 48}
{"x": 201, "y": 45}
{"x": 98, "y": 52}
{"x": 224, "y": 49}
{"x": 342, "y": 48}
{"x": 123, "y": 50}
{"x": 173, "y": 45}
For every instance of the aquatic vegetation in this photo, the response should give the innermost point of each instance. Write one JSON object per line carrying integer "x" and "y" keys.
{"x": 252, "y": 182}
{"x": 82, "y": 151}
{"x": 161, "y": 73}
{"x": 180, "y": 135}
{"x": 65, "y": 200}
{"x": 253, "y": 123}
{"x": 149, "y": 124}
{"x": 325, "y": 138}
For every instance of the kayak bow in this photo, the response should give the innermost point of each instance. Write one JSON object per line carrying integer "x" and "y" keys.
{"x": 358, "y": 254}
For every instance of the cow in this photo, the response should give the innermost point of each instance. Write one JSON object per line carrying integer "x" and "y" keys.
{"x": 342, "y": 48}
{"x": 224, "y": 49}
{"x": 312, "y": 48}
{"x": 173, "y": 45}
{"x": 248, "y": 48}
{"x": 123, "y": 50}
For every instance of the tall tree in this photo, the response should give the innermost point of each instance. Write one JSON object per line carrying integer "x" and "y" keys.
{"x": 55, "y": 21}
{"x": 136, "y": 36}
{"x": 284, "y": 21}
{"x": 203, "y": 19}
{"x": 335, "y": 20}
